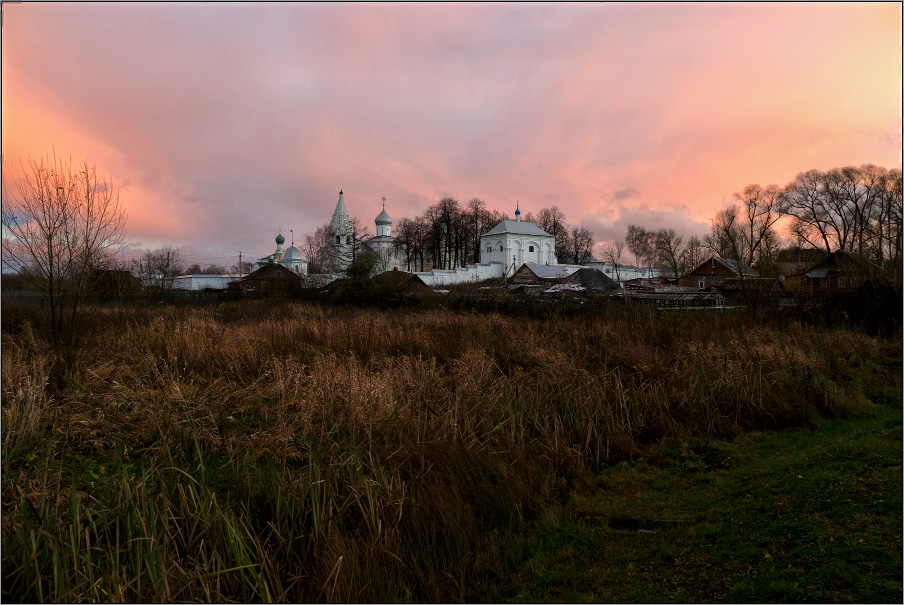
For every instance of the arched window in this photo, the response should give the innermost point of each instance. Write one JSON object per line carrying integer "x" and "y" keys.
{"x": 348, "y": 239}
{"x": 530, "y": 249}
{"x": 500, "y": 248}
{"x": 338, "y": 240}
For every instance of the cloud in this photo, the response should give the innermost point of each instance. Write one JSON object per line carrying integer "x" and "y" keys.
{"x": 610, "y": 227}
{"x": 222, "y": 122}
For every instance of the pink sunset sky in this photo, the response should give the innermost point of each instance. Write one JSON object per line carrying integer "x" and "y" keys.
{"x": 222, "y": 122}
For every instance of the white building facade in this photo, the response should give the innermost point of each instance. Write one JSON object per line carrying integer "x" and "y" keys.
{"x": 513, "y": 243}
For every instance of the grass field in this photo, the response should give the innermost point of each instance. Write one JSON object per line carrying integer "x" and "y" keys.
{"x": 801, "y": 515}
{"x": 276, "y": 451}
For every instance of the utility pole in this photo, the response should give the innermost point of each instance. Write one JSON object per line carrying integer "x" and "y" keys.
{"x": 240, "y": 264}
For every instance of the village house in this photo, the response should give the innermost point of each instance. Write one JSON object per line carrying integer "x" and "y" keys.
{"x": 272, "y": 280}
{"x": 714, "y": 271}
{"x": 542, "y": 274}
{"x": 837, "y": 273}
{"x": 796, "y": 260}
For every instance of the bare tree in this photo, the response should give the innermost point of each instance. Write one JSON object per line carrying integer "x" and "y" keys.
{"x": 668, "y": 250}
{"x": 193, "y": 269}
{"x": 552, "y": 220}
{"x": 215, "y": 269}
{"x": 855, "y": 209}
{"x": 580, "y": 245}
{"x": 612, "y": 254}
{"x": 742, "y": 231}
{"x": 693, "y": 254}
{"x": 478, "y": 220}
{"x": 159, "y": 268}
{"x": 765, "y": 263}
{"x": 65, "y": 222}
{"x": 640, "y": 243}
{"x": 243, "y": 268}
{"x": 807, "y": 203}
{"x": 886, "y": 230}
{"x": 360, "y": 233}
{"x": 405, "y": 242}
{"x": 314, "y": 246}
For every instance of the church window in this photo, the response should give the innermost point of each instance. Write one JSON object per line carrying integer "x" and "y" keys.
{"x": 530, "y": 249}
{"x": 489, "y": 248}
{"x": 348, "y": 239}
{"x": 500, "y": 248}
{"x": 338, "y": 240}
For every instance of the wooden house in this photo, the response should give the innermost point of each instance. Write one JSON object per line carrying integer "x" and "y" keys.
{"x": 837, "y": 273}
{"x": 714, "y": 271}
{"x": 270, "y": 280}
{"x": 544, "y": 275}
{"x": 796, "y": 260}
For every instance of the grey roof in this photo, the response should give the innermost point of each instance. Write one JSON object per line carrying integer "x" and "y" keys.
{"x": 817, "y": 273}
{"x": 551, "y": 271}
{"x": 591, "y": 279}
{"x": 687, "y": 295}
{"x": 520, "y": 227}
{"x": 728, "y": 264}
{"x": 292, "y": 253}
{"x": 733, "y": 267}
{"x": 340, "y": 222}
{"x": 383, "y": 218}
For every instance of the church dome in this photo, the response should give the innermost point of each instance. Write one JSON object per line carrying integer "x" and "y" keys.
{"x": 292, "y": 253}
{"x": 383, "y": 218}
{"x": 280, "y": 240}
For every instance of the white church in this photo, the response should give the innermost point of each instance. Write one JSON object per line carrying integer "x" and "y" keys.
{"x": 341, "y": 245}
{"x": 518, "y": 242}
{"x": 504, "y": 248}
{"x": 291, "y": 257}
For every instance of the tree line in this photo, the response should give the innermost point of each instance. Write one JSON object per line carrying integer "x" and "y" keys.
{"x": 160, "y": 267}
{"x": 854, "y": 209}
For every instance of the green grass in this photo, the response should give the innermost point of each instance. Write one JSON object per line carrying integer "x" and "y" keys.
{"x": 800, "y": 515}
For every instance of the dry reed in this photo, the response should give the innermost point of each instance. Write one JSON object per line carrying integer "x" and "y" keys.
{"x": 296, "y": 452}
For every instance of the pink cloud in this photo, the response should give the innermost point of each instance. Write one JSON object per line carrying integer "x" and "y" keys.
{"x": 223, "y": 121}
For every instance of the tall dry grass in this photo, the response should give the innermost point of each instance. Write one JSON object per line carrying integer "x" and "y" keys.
{"x": 288, "y": 452}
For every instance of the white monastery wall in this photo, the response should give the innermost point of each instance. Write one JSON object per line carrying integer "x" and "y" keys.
{"x": 201, "y": 281}
{"x": 461, "y": 275}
